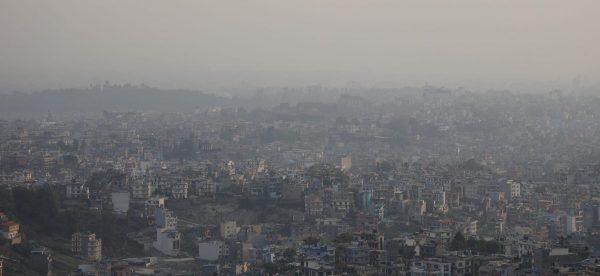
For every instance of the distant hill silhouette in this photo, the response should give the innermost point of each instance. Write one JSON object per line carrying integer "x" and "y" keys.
{"x": 107, "y": 97}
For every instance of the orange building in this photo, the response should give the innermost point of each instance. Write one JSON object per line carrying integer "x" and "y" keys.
{"x": 10, "y": 229}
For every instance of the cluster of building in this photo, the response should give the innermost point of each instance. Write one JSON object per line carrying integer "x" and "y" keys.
{"x": 430, "y": 183}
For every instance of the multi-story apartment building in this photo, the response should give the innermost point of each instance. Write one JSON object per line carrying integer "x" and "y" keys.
{"x": 141, "y": 189}
{"x": 77, "y": 191}
{"x": 313, "y": 205}
{"x": 229, "y": 229}
{"x": 179, "y": 190}
{"x": 87, "y": 245}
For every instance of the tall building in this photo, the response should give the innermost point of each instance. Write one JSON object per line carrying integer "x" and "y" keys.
{"x": 313, "y": 205}
{"x": 168, "y": 239}
{"x": 165, "y": 218}
{"x": 87, "y": 245}
{"x": 346, "y": 163}
{"x": 513, "y": 189}
{"x": 365, "y": 198}
{"x": 229, "y": 229}
{"x": 141, "y": 189}
{"x": 152, "y": 204}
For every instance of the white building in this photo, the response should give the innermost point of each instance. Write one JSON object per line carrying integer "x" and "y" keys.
{"x": 440, "y": 201}
{"x": 168, "y": 241}
{"x": 471, "y": 229}
{"x": 210, "y": 250}
{"x": 513, "y": 189}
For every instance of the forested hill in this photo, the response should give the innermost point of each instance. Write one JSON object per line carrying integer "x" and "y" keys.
{"x": 106, "y": 97}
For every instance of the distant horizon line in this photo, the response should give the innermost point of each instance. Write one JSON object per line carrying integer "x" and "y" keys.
{"x": 353, "y": 85}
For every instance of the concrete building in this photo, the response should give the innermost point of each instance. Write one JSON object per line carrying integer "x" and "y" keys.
{"x": 168, "y": 241}
{"x": 570, "y": 224}
{"x": 152, "y": 204}
{"x": 431, "y": 266}
{"x": 165, "y": 219}
{"x": 342, "y": 203}
{"x": 210, "y": 250}
{"x": 77, "y": 191}
{"x": 313, "y": 205}
{"x": 10, "y": 231}
{"x": 229, "y": 229}
{"x": 167, "y": 238}
{"x": 513, "y": 189}
{"x": 141, "y": 189}
{"x": 207, "y": 187}
{"x": 179, "y": 190}
{"x": 87, "y": 245}
{"x": 346, "y": 163}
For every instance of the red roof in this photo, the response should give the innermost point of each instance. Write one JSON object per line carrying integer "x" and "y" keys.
{"x": 10, "y": 223}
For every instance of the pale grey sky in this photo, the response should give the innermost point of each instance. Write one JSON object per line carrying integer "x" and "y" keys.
{"x": 200, "y": 44}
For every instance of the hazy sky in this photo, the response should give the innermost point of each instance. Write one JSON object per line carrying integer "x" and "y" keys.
{"x": 201, "y": 44}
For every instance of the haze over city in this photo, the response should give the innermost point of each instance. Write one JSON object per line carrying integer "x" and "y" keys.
{"x": 516, "y": 45}
{"x": 304, "y": 138}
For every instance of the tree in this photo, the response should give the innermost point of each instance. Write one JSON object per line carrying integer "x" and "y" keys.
{"x": 408, "y": 252}
{"x": 458, "y": 242}
{"x": 289, "y": 254}
{"x": 270, "y": 268}
{"x": 311, "y": 240}
{"x": 344, "y": 238}
{"x": 38, "y": 208}
{"x": 6, "y": 201}
{"x": 490, "y": 247}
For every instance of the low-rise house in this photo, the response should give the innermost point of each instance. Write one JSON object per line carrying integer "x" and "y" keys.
{"x": 431, "y": 266}
{"x": 10, "y": 231}
{"x": 325, "y": 254}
